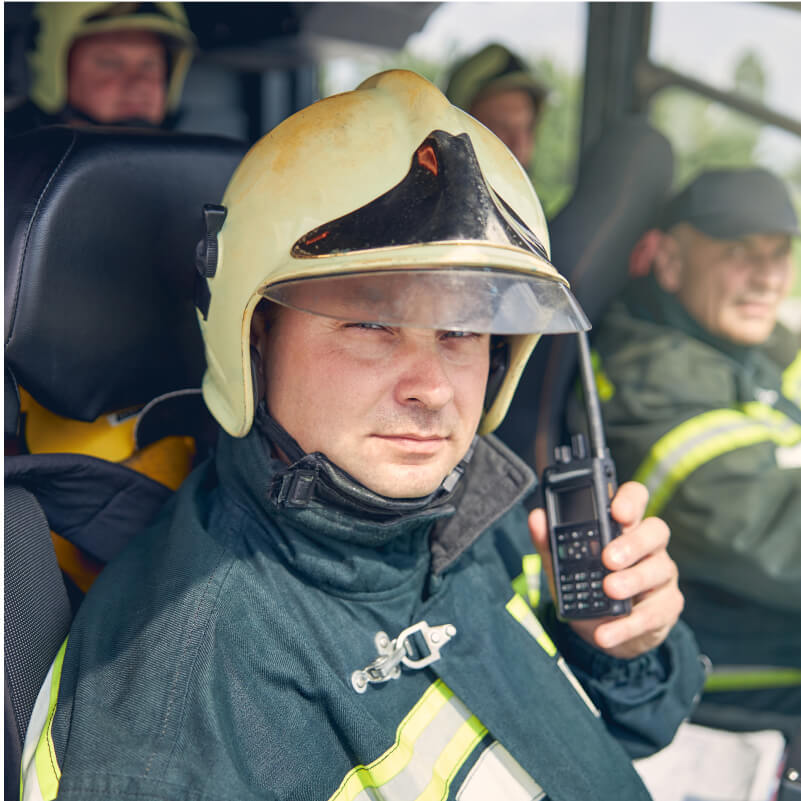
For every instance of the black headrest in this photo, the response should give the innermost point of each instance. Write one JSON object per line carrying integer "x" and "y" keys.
{"x": 100, "y": 234}
{"x": 623, "y": 184}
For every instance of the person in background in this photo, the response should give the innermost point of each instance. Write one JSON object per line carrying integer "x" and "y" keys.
{"x": 702, "y": 404}
{"x": 502, "y": 92}
{"x": 344, "y": 602}
{"x": 105, "y": 64}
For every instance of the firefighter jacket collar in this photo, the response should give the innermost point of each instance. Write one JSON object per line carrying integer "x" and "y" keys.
{"x": 363, "y": 548}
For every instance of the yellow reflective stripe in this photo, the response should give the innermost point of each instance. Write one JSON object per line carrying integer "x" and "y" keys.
{"x": 47, "y": 771}
{"x": 786, "y": 431}
{"x": 606, "y": 389}
{"x": 523, "y": 614}
{"x": 751, "y": 678}
{"x": 791, "y": 380}
{"x": 705, "y": 437}
{"x": 431, "y": 745}
{"x": 532, "y": 570}
{"x": 520, "y": 584}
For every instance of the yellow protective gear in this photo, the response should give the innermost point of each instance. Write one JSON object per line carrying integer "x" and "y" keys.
{"x": 60, "y": 24}
{"x": 323, "y": 168}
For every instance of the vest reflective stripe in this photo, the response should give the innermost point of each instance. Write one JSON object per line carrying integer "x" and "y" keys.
{"x": 497, "y": 774}
{"x": 606, "y": 389}
{"x": 726, "y": 678}
{"x": 705, "y": 437}
{"x": 532, "y": 576}
{"x": 524, "y": 615}
{"x": 791, "y": 380}
{"x": 39, "y": 769}
{"x": 431, "y": 745}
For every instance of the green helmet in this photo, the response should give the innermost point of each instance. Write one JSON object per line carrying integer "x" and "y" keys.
{"x": 385, "y": 204}
{"x": 60, "y": 24}
{"x": 493, "y": 69}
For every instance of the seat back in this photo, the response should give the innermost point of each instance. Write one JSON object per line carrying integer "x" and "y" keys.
{"x": 623, "y": 183}
{"x": 100, "y": 234}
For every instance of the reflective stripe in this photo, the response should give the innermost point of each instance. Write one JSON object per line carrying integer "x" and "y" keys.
{"x": 791, "y": 380}
{"x": 727, "y": 678}
{"x": 606, "y": 389}
{"x": 705, "y": 437}
{"x": 497, "y": 774}
{"x": 39, "y": 770}
{"x": 431, "y": 745}
{"x": 532, "y": 570}
{"x": 524, "y": 615}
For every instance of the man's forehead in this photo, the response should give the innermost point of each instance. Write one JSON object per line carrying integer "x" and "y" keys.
{"x": 760, "y": 241}
{"x": 136, "y": 37}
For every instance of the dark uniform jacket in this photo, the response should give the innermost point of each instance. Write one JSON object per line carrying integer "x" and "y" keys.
{"x": 224, "y": 655}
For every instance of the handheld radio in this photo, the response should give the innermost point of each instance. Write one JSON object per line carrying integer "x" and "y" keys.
{"x": 578, "y": 489}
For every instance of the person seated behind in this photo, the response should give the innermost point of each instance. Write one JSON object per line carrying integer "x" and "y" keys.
{"x": 326, "y": 609}
{"x": 702, "y": 391}
{"x": 105, "y": 63}
{"x": 502, "y": 92}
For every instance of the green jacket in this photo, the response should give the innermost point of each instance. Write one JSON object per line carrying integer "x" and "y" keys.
{"x": 714, "y": 432}
{"x": 239, "y": 621}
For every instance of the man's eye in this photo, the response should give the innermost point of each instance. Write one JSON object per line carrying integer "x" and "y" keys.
{"x": 367, "y": 326}
{"x": 461, "y": 335}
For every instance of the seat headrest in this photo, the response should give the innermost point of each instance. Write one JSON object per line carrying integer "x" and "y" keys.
{"x": 623, "y": 184}
{"x": 100, "y": 234}
{"x": 624, "y": 181}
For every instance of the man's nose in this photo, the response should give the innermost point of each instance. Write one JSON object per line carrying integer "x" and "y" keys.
{"x": 424, "y": 381}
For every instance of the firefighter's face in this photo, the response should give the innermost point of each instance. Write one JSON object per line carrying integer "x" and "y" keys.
{"x": 397, "y": 408}
{"x": 119, "y": 75}
{"x": 512, "y": 118}
{"x": 731, "y": 287}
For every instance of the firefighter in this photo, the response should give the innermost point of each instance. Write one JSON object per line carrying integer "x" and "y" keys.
{"x": 345, "y": 601}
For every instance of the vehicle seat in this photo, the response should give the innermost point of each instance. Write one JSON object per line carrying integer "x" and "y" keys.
{"x": 623, "y": 183}
{"x": 100, "y": 324}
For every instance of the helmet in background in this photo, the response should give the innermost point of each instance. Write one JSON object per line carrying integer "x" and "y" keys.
{"x": 61, "y": 23}
{"x": 386, "y": 204}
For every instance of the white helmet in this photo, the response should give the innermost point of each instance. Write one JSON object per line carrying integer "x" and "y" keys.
{"x": 363, "y": 204}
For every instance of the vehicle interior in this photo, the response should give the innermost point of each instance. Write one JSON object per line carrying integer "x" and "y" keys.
{"x": 102, "y": 224}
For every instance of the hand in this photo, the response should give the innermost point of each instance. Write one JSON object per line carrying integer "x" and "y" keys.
{"x": 643, "y": 572}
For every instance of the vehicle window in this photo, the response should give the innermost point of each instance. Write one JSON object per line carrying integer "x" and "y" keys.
{"x": 550, "y": 36}
{"x": 753, "y": 53}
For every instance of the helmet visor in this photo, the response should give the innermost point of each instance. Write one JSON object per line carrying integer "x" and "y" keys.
{"x": 475, "y": 300}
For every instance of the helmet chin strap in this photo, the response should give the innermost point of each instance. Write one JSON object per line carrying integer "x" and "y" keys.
{"x": 313, "y": 480}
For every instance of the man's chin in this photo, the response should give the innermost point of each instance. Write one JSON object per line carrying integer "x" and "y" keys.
{"x": 404, "y": 482}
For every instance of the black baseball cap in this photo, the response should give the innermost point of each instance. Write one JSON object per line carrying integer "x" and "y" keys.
{"x": 733, "y": 203}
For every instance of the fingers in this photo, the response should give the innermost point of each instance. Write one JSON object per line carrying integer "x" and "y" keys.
{"x": 635, "y": 543}
{"x": 646, "y": 627}
{"x": 649, "y": 573}
{"x": 628, "y": 505}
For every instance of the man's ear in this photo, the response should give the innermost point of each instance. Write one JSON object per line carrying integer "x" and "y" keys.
{"x": 668, "y": 264}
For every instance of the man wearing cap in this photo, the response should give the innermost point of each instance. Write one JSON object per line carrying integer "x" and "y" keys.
{"x": 345, "y": 603}
{"x": 702, "y": 391}
{"x": 104, "y": 64}
{"x": 501, "y": 91}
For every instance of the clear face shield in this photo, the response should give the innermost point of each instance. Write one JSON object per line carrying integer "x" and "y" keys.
{"x": 477, "y": 300}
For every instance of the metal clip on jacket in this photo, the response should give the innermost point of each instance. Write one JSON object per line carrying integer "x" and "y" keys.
{"x": 394, "y": 653}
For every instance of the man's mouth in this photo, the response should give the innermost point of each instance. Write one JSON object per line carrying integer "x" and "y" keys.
{"x": 413, "y": 442}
